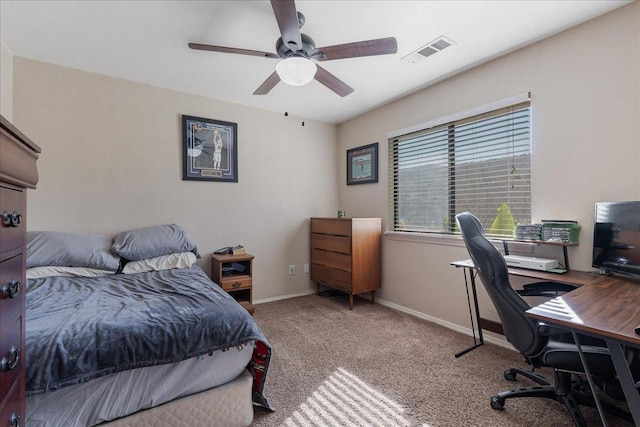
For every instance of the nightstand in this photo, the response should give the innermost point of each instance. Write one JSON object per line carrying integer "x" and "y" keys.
{"x": 234, "y": 274}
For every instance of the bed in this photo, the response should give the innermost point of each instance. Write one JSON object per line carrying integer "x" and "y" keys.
{"x": 130, "y": 331}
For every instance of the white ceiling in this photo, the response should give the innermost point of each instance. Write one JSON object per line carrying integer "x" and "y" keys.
{"x": 146, "y": 41}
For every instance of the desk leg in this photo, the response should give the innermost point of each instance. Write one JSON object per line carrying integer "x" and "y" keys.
{"x": 626, "y": 379}
{"x": 480, "y": 341}
{"x": 594, "y": 391}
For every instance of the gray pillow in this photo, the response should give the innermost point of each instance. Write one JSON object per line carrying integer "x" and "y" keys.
{"x": 151, "y": 242}
{"x": 62, "y": 249}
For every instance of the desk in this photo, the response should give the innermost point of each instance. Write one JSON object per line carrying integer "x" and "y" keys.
{"x": 606, "y": 308}
{"x": 571, "y": 277}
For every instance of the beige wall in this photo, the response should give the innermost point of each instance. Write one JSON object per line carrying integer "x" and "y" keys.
{"x": 585, "y": 86}
{"x": 112, "y": 161}
{"x": 6, "y": 73}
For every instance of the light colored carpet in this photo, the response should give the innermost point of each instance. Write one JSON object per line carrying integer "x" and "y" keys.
{"x": 374, "y": 366}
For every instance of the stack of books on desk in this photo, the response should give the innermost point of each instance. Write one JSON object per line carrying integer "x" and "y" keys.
{"x": 560, "y": 231}
{"x": 528, "y": 231}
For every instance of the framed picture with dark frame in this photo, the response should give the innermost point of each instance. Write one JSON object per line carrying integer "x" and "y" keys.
{"x": 210, "y": 149}
{"x": 362, "y": 164}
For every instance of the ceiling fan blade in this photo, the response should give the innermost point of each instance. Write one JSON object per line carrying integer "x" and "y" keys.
{"x": 351, "y": 50}
{"x": 268, "y": 84}
{"x": 332, "y": 82}
{"x": 287, "y": 17}
{"x": 198, "y": 46}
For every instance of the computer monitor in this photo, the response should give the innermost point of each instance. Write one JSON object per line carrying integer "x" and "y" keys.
{"x": 616, "y": 241}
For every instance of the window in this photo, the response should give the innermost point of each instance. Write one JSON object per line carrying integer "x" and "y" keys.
{"x": 479, "y": 163}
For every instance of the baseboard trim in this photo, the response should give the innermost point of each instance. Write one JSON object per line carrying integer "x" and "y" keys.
{"x": 486, "y": 324}
{"x": 278, "y": 298}
{"x": 446, "y": 324}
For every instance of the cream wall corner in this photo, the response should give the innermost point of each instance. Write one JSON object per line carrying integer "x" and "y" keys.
{"x": 112, "y": 161}
{"x": 585, "y": 85}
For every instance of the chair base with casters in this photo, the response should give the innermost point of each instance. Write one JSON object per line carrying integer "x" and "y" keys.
{"x": 572, "y": 393}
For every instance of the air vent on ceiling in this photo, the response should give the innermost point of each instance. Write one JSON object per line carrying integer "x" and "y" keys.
{"x": 429, "y": 49}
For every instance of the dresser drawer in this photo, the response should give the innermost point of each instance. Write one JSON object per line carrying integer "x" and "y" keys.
{"x": 332, "y": 243}
{"x": 340, "y": 227}
{"x": 8, "y": 342}
{"x": 233, "y": 283}
{"x": 10, "y": 273}
{"x": 331, "y": 259}
{"x": 12, "y": 233}
{"x": 12, "y": 409}
{"x": 330, "y": 276}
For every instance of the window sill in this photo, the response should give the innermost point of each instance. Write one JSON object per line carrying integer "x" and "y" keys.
{"x": 428, "y": 238}
{"x": 446, "y": 239}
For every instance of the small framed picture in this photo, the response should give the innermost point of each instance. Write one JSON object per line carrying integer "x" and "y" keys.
{"x": 210, "y": 149}
{"x": 362, "y": 164}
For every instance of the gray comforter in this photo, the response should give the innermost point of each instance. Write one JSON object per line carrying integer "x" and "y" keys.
{"x": 78, "y": 329}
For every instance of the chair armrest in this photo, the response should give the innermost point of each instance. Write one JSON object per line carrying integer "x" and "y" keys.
{"x": 544, "y": 289}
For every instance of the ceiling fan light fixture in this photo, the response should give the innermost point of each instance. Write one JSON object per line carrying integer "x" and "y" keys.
{"x": 296, "y": 71}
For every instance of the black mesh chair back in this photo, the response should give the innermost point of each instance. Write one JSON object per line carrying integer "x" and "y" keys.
{"x": 519, "y": 330}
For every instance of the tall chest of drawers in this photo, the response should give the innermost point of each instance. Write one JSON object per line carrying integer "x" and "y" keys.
{"x": 18, "y": 156}
{"x": 345, "y": 254}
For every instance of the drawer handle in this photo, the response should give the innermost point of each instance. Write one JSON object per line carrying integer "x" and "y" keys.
{"x": 10, "y": 290}
{"x": 14, "y": 421}
{"x": 12, "y": 220}
{"x": 8, "y": 365}
{"x": 236, "y": 285}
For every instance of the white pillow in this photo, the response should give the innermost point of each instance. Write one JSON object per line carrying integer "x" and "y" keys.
{"x": 163, "y": 262}
{"x": 52, "y": 271}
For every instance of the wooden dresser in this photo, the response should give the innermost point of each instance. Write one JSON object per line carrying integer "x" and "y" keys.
{"x": 18, "y": 156}
{"x": 345, "y": 254}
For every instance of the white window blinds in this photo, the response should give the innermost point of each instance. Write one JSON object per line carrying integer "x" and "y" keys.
{"x": 480, "y": 164}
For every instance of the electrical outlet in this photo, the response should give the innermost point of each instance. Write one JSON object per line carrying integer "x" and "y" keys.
{"x": 306, "y": 268}
{"x": 292, "y": 270}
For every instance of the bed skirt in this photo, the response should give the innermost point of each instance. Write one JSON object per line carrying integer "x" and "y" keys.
{"x": 229, "y": 405}
{"x": 124, "y": 393}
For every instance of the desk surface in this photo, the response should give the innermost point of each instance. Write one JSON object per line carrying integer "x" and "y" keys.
{"x": 609, "y": 307}
{"x": 571, "y": 277}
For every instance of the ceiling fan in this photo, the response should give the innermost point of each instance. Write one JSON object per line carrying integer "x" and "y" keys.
{"x": 299, "y": 54}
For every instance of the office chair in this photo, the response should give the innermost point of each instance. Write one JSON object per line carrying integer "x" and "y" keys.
{"x": 540, "y": 345}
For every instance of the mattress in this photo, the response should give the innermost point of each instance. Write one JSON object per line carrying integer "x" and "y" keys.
{"x": 79, "y": 329}
{"x": 117, "y": 395}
